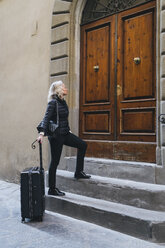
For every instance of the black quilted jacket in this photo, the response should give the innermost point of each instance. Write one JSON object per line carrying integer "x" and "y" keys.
{"x": 51, "y": 114}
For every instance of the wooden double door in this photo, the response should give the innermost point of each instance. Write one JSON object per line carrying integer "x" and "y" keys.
{"x": 118, "y": 89}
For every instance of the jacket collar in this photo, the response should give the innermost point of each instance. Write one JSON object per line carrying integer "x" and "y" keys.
{"x": 59, "y": 99}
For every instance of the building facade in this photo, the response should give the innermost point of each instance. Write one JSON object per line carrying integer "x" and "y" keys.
{"x": 110, "y": 54}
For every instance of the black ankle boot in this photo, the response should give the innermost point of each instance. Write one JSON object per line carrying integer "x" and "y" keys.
{"x": 81, "y": 175}
{"x": 60, "y": 192}
{"x": 55, "y": 191}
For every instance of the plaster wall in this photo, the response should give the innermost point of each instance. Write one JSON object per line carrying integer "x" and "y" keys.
{"x": 27, "y": 43}
{"x": 24, "y": 80}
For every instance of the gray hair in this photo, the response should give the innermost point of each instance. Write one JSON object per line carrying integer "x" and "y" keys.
{"x": 55, "y": 89}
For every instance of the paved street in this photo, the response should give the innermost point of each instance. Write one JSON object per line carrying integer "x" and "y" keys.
{"x": 56, "y": 231}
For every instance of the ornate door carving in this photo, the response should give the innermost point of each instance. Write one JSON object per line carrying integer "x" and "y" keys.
{"x": 96, "y": 9}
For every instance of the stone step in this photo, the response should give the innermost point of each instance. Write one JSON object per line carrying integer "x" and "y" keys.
{"x": 141, "y": 223}
{"x": 142, "y": 195}
{"x": 137, "y": 171}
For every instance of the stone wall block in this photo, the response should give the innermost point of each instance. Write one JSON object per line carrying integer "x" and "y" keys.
{"x": 162, "y": 4}
{"x": 57, "y": 19}
{"x": 59, "y": 66}
{"x": 160, "y": 170}
{"x": 163, "y": 156}
{"x": 61, "y": 6}
{"x": 162, "y": 21}
{"x": 162, "y": 89}
{"x": 60, "y": 49}
{"x": 64, "y": 78}
{"x": 162, "y": 107}
{"x": 162, "y": 43}
{"x": 162, "y": 126}
{"x": 60, "y": 33}
{"x": 162, "y": 68}
{"x": 162, "y": 130}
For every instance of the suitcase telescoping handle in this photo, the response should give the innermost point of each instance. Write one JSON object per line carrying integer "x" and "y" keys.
{"x": 40, "y": 153}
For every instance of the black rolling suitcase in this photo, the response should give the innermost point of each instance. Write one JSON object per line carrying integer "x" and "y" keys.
{"x": 33, "y": 191}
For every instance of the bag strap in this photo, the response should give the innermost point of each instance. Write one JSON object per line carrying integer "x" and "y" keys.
{"x": 57, "y": 113}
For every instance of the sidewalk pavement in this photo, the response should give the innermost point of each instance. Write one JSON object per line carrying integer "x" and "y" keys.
{"x": 56, "y": 231}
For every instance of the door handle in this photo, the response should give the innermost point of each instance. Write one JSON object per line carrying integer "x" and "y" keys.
{"x": 119, "y": 90}
{"x": 96, "y": 68}
{"x": 137, "y": 60}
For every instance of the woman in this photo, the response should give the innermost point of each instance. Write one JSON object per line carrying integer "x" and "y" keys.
{"x": 63, "y": 135}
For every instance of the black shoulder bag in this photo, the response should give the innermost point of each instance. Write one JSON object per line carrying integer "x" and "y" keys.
{"x": 53, "y": 126}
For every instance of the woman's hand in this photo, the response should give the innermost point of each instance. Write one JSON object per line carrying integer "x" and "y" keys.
{"x": 40, "y": 138}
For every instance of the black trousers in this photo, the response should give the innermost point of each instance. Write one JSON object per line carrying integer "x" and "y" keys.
{"x": 56, "y": 145}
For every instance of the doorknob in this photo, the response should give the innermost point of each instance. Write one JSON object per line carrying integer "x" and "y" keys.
{"x": 96, "y": 68}
{"x": 137, "y": 60}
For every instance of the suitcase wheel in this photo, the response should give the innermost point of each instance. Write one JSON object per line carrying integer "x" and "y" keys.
{"x": 23, "y": 220}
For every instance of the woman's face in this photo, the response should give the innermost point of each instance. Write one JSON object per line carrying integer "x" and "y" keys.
{"x": 64, "y": 90}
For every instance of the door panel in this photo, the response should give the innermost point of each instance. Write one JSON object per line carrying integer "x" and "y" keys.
{"x": 145, "y": 123}
{"x": 117, "y": 90}
{"x": 97, "y": 121}
{"x": 138, "y": 42}
{"x": 97, "y": 80}
{"x": 136, "y": 101}
{"x": 97, "y": 54}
